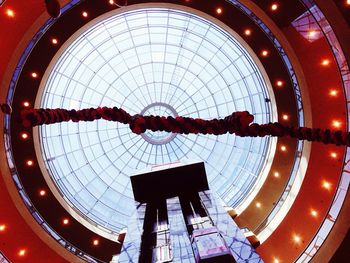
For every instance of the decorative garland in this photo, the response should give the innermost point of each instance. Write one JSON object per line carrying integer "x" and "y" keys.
{"x": 239, "y": 123}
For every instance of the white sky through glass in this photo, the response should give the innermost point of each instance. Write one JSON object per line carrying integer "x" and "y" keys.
{"x": 161, "y": 62}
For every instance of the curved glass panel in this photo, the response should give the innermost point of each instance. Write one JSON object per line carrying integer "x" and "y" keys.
{"x": 150, "y": 61}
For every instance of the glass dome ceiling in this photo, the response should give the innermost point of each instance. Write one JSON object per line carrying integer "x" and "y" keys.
{"x": 151, "y": 61}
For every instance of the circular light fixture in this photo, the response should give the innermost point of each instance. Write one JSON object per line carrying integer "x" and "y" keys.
{"x": 313, "y": 213}
{"x": 285, "y": 117}
{"x": 274, "y": 7}
{"x": 326, "y": 185}
{"x": 26, "y": 104}
{"x": 10, "y": 13}
{"x": 297, "y": 239}
{"x": 22, "y": 252}
{"x": 24, "y": 135}
{"x": 264, "y": 53}
{"x": 333, "y": 92}
{"x": 325, "y": 62}
{"x": 279, "y": 83}
{"x": 312, "y": 33}
{"x": 34, "y": 75}
{"x": 247, "y": 32}
{"x": 336, "y": 124}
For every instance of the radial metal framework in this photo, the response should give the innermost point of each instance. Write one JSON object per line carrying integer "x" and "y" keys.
{"x": 150, "y": 61}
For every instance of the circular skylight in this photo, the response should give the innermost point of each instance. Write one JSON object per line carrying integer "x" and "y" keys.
{"x": 149, "y": 61}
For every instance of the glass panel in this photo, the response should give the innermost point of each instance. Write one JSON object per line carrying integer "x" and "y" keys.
{"x": 150, "y": 61}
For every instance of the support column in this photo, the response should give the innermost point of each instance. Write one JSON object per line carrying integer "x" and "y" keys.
{"x": 240, "y": 247}
{"x": 179, "y": 240}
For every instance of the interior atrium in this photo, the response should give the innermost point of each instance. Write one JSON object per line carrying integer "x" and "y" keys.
{"x": 66, "y": 191}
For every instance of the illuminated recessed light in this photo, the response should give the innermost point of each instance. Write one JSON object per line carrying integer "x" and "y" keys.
{"x": 111, "y": 2}
{"x": 26, "y": 104}
{"x": 24, "y": 135}
{"x": 276, "y": 174}
{"x": 22, "y": 252}
{"x": 274, "y": 7}
{"x": 34, "y": 75}
{"x": 247, "y": 32}
{"x": 258, "y": 204}
{"x": 95, "y": 242}
{"x": 336, "y": 124}
{"x": 326, "y": 185}
{"x": 84, "y": 14}
{"x": 279, "y": 83}
{"x": 10, "y": 13}
{"x": 219, "y": 10}
{"x": 333, "y": 92}
{"x": 283, "y": 148}
{"x": 325, "y": 62}
{"x": 285, "y": 117}
{"x": 296, "y": 238}
{"x": 2, "y": 228}
{"x": 334, "y": 155}
{"x": 313, "y": 213}
{"x": 264, "y": 53}
{"x": 312, "y": 33}
{"x": 65, "y": 221}
{"x": 276, "y": 260}
{"x": 54, "y": 41}
{"x": 347, "y": 2}
{"x": 30, "y": 163}
{"x": 42, "y": 192}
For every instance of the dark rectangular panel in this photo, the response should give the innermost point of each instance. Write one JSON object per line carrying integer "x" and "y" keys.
{"x": 167, "y": 183}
